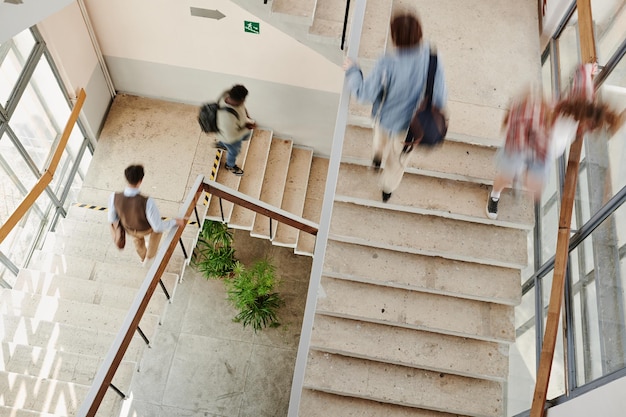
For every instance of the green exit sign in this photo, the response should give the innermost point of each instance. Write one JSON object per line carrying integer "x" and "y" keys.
{"x": 251, "y": 27}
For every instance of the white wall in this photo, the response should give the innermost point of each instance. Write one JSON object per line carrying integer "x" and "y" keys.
{"x": 606, "y": 401}
{"x": 156, "y": 48}
{"x": 68, "y": 40}
{"x": 14, "y": 18}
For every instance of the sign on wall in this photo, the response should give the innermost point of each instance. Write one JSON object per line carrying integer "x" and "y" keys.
{"x": 251, "y": 27}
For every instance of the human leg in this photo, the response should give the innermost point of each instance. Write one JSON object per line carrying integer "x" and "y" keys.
{"x": 153, "y": 244}
{"x": 395, "y": 164}
{"x": 509, "y": 165}
{"x": 379, "y": 141}
{"x": 139, "y": 241}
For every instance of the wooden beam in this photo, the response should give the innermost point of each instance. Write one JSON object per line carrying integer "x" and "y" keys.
{"x": 588, "y": 55}
{"x": 47, "y": 176}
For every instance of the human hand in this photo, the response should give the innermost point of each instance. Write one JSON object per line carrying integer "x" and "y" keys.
{"x": 347, "y": 64}
{"x": 181, "y": 222}
{"x": 251, "y": 125}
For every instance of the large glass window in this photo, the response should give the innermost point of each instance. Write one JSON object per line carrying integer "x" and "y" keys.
{"x": 36, "y": 110}
{"x": 593, "y": 344}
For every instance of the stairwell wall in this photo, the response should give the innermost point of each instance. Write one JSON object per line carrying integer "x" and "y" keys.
{"x": 158, "y": 49}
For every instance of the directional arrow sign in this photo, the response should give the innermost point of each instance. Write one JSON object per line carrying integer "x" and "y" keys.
{"x": 211, "y": 14}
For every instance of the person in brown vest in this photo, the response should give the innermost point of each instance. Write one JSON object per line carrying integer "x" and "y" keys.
{"x": 139, "y": 215}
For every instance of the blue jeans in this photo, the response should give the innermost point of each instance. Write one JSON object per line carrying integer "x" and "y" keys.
{"x": 233, "y": 149}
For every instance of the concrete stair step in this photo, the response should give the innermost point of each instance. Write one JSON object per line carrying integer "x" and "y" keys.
{"x": 400, "y": 385}
{"x": 475, "y": 122}
{"x": 454, "y": 160}
{"x": 328, "y": 21}
{"x": 313, "y": 203}
{"x": 295, "y": 194}
{"x": 90, "y": 316}
{"x": 411, "y": 348}
{"x": 60, "y": 365}
{"x": 459, "y": 200}
{"x": 214, "y": 211}
{"x": 297, "y": 11}
{"x": 85, "y": 290}
{"x": 273, "y": 188}
{"x": 49, "y": 396}
{"x": 116, "y": 274}
{"x": 429, "y": 235}
{"x": 375, "y": 29}
{"x": 416, "y": 310}
{"x": 106, "y": 251}
{"x": 64, "y": 337}
{"x": 251, "y": 183}
{"x": 430, "y": 274}
{"x": 322, "y": 404}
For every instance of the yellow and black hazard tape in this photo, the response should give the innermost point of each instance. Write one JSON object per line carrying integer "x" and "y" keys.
{"x": 100, "y": 208}
{"x": 216, "y": 164}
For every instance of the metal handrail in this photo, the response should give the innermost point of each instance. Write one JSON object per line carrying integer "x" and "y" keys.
{"x": 116, "y": 352}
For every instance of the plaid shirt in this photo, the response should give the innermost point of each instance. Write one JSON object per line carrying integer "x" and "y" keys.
{"x": 528, "y": 128}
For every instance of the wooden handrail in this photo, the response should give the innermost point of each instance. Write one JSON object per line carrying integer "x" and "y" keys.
{"x": 116, "y": 353}
{"x": 48, "y": 174}
{"x": 588, "y": 54}
{"x": 258, "y": 206}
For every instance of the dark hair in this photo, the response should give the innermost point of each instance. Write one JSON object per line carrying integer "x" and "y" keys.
{"x": 134, "y": 174}
{"x": 238, "y": 92}
{"x": 406, "y": 31}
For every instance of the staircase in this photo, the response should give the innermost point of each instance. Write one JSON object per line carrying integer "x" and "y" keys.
{"x": 415, "y": 308}
{"x": 63, "y": 313}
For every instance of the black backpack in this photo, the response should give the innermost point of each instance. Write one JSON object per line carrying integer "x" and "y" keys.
{"x": 208, "y": 116}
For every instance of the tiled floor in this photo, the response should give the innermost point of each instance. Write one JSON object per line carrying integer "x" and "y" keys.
{"x": 204, "y": 364}
{"x": 201, "y": 363}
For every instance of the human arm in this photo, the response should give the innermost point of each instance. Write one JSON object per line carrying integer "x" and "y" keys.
{"x": 112, "y": 213}
{"x": 366, "y": 90}
{"x": 157, "y": 224}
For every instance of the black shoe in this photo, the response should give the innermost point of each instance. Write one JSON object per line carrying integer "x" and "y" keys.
{"x": 386, "y": 196}
{"x": 376, "y": 164}
{"x": 235, "y": 170}
{"x": 221, "y": 147}
{"x": 492, "y": 207}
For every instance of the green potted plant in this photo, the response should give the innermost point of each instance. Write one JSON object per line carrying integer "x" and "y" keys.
{"x": 251, "y": 291}
{"x": 214, "y": 255}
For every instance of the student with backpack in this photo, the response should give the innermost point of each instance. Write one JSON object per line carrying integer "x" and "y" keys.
{"x": 233, "y": 125}
{"x": 396, "y": 86}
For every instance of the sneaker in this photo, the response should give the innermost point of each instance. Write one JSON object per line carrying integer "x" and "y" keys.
{"x": 376, "y": 164}
{"x": 220, "y": 147}
{"x": 235, "y": 170}
{"x": 492, "y": 207}
{"x": 386, "y": 197}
